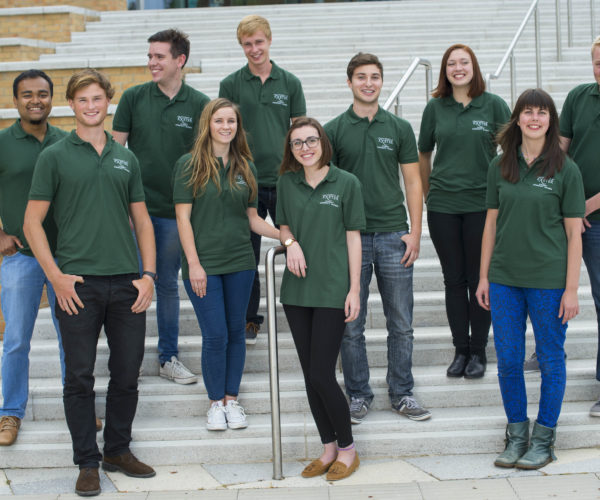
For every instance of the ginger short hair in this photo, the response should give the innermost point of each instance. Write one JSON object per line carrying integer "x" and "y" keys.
{"x": 251, "y": 24}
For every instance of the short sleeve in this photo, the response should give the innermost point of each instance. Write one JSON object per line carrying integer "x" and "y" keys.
{"x": 182, "y": 191}
{"x": 566, "y": 117}
{"x": 254, "y": 202}
{"x": 136, "y": 188}
{"x": 281, "y": 197}
{"x": 226, "y": 89}
{"x": 330, "y": 131}
{"x": 427, "y": 131}
{"x": 44, "y": 182}
{"x": 491, "y": 198}
{"x": 407, "y": 152}
{"x": 572, "y": 202}
{"x": 501, "y": 114}
{"x": 297, "y": 101}
{"x": 122, "y": 118}
{"x": 354, "y": 207}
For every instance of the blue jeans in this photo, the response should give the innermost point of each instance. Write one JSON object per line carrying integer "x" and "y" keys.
{"x": 591, "y": 256}
{"x": 168, "y": 263}
{"x": 221, "y": 315}
{"x": 382, "y": 252}
{"x": 22, "y": 282}
{"x": 510, "y": 306}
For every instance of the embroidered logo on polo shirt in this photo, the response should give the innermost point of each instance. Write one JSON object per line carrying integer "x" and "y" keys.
{"x": 543, "y": 183}
{"x": 330, "y": 199}
{"x": 121, "y": 165}
{"x": 184, "y": 121}
{"x": 480, "y": 125}
{"x": 385, "y": 143}
{"x": 240, "y": 180}
{"x": 280, "y": 99}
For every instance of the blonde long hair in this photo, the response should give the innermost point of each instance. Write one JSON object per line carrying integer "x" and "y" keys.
{"x": 204, "y": 166}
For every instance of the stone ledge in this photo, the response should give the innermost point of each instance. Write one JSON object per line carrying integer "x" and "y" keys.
{"x": 29, "y": 42}
{"x": 99, "y": 5}
{"x": 54, "y": 9}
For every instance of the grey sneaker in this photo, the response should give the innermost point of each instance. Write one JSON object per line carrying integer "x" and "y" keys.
{"x": 358, "y": 410}
{"x": 176, "y": 371}
{"x": 409, "y": 407}
{"x": 251, "y": 333}
{"x": 595, "y": 410}
{"x": 531, "y": 365}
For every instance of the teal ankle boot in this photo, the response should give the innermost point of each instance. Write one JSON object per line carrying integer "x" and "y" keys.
{"x": 516, "y": 444}
{"x": 541, "y": 449}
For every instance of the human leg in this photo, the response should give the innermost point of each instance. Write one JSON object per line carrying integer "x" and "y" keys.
{"x": 591, "y": 256}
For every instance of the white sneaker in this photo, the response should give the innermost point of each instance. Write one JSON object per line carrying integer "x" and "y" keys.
{"x": 217, "y": 421}
{"x": 175, "y": 370}
{"x": 236, "y": 415}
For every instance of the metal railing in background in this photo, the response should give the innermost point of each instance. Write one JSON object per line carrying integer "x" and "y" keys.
{"x": 394, "y": 97}
{"x": 274, "y": 361}
{"x": 570, "y": 21}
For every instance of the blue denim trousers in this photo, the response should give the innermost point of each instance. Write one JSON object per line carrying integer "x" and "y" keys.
{"x": 382, "y": 252}
{"x": 591, "y": 256}
{"x": 221, "y": 315}
{"x": 22, "y": 282}
{"x": 510, "y": 306}
{"x": 168, "y": 263}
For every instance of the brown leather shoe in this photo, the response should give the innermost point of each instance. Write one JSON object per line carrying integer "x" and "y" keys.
{"x": 88, "y": 482}
{"x": 316, "y": 468}
{"x": 98, "y": 424}
{"x": 339, "y": 470}
{"x": 128, "y": 465}
{"x": 9, "y": 428}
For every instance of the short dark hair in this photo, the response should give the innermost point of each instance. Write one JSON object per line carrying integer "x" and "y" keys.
{"x": 85, "y": 78}
{"x": 32, "y": 73}
{"x": 289, "y": 162}
{"x": 180, "y": 42}
{"x": 444, "y": 87}
{"x": 362, "y": 59}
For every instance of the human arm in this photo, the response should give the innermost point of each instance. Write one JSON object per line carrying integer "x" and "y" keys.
{"x": 294, "y": 255}
{"x": 352, "y": 304}
{"x": 144, "y": 233}
{"x": 260, "y": 226}
{"x": 120, "y": 137}
{"x": 63, "y": 284}
{"x": 569, "y": 304}
{"x": 487, "y": 249}
{"x": 425, "y": 170}
{"x": 414, "y": 201}
{"x": 183, "y": 212}
{"x": 9, "y": 244}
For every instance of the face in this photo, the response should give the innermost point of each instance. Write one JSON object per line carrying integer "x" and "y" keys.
{"x": 90, "y": 105}
{"x": 307, "y": 156}
{"x": 162, "y": 65}
{"x": 459, "y": 68}
{"x": 33, "y": 101}
{"x": 534, "y": 122}
{"x": 596, "y": 63}
{"x": 256, "y": 48}
{"x": 366, "y": 83}
{"x": 223, "y": 126}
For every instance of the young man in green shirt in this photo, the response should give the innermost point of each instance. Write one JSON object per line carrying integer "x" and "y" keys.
{"x": 269, "y": 98}
{"x": 95, "y": 187}
{"x": 158, "y": 121}
{"x": 370, "y": 143}
{"x": 22, "y": 278}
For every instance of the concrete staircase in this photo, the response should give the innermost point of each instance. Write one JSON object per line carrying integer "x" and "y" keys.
{"x": 315, "y": 42}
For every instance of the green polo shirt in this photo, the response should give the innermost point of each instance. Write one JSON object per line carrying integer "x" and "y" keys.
{"x": 267, "y": 109}
{"x": 319, "y": 219}
{"x": 160, "y": 131}
{"x": 219, "y": 221}
{"x": 372, "y": 151}
{"x": 580, "y": 122}
{"x": 20, "y": 151}
{"x": 531, "y": 245}
{"x": 464, "y": 138}
{"x": 91, "y": 195}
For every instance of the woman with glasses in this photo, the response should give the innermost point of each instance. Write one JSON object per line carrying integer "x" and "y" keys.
{"x": 530, "y": 262}
{"x": 215, "y": 205}
{"x": 461, "y": 122}
{"x": 320, "y": 212}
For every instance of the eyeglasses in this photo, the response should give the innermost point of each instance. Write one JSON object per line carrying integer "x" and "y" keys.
{"x": 311, "y": 142}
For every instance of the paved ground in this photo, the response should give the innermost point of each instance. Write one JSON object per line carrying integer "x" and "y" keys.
{"x": 575, "y": 476}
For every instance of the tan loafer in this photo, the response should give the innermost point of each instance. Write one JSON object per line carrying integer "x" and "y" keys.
{"x": 98, "y": 424}
{"x": 316, "y": 468}
{"x": 9, "y": 429}
{"x": 339, "y": 470}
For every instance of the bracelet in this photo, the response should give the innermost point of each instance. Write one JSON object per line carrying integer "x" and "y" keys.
{"x": 151, "y": 274}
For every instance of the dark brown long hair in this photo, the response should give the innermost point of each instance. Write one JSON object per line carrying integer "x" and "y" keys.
{"x": 289, "y": 162}
{"x": 444, "y": 87}
{"x": 510, "y": 138}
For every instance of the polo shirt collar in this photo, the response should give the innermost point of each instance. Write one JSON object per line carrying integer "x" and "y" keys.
{"x": 595, "y": 90}
{"x": 180, "y": 96}
{"x": 19, "y": 133}
{"x": 275, "y": 72}
{"x": 331, "y": 176}
{"x": 380, "y": 116}
{"x": 75, "y": 139}
{"x": 476, "y": 102}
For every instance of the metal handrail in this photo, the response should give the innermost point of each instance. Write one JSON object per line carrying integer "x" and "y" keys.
{"x": 570, "y": 20}
{"x": 395, "y": 95}
{"x": 274, "y": 361}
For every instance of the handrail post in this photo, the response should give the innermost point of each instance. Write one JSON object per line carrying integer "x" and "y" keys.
{"x": 558, "y": 33}
{"x": 570, "y": 22}
{"x": 428, "y": 82}
{"x": 538, "y": 50}
{"x": 593, "y": 19}
{"x": 274, "y": 361}
{"x": 513, "y": 80}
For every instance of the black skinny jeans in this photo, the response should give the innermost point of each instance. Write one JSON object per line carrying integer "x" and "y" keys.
{"x": 107, "y": 302}
{"x": 457, "y": 241}
{"x": 317, "y": 333}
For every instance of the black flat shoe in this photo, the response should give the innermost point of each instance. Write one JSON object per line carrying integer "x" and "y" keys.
{"x": 458, "y": 365}
{"x": 476, "y": 366}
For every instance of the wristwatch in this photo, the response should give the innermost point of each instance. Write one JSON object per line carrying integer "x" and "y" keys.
{"x": 151, "y": 274}
{"x": 288, "y": 243}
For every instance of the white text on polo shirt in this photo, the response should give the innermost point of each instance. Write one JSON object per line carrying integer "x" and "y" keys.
{"x": 280, "y": 99}
{"x": 385, "y": 143}
{"x": 121, "y": 165}
{"x": 184, "y": 121}
{"x": 480, "y": 125}
{"x": 330, "y": 199}
{"x": 543, "y": 183}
